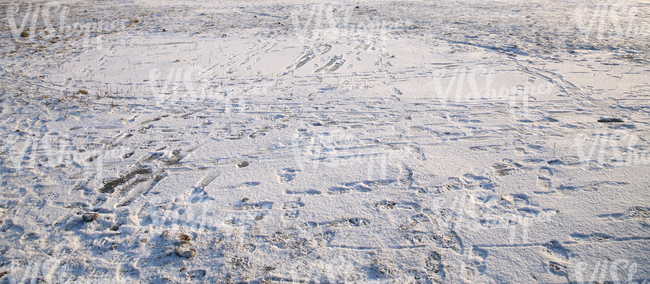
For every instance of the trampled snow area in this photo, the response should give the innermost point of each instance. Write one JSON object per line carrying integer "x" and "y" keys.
{"x": 342, "y": 142}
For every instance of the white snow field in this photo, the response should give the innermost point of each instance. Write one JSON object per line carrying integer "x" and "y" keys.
{"x": 341, "y": 142}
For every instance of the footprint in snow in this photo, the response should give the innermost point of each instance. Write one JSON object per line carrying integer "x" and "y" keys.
{"x": 286, "y": 175}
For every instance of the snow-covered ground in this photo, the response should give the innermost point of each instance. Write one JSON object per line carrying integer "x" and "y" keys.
{"x": 357, "y": 142}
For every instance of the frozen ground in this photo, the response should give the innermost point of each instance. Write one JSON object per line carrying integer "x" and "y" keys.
{"x": 394, "y": 142}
